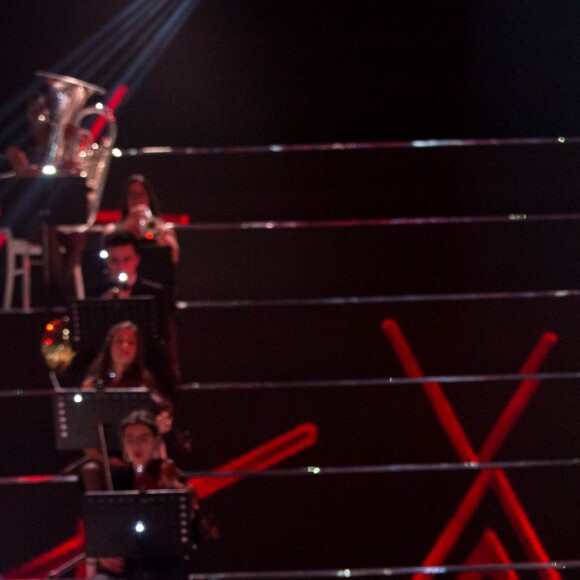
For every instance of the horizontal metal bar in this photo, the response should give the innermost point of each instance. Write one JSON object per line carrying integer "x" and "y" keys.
{"x": 382, "y": 381}
{"x": 331, "y": 470}
{"x": 23, "y": 393}
{"x": 355, "y": 300}
{"x": 376, "y": 222}
{"x": 330, "y": 383}
{"x": 393, "y": 468}
{"x": 37, "y": 479}
{"x": 347, "y": 146}
{"x": 402, "y": 298}
{"x": 391, "y": 571}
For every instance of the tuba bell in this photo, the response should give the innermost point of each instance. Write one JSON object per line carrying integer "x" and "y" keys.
{"x": 70, "y": 149}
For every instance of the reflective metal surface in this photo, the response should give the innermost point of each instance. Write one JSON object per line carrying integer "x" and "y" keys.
{"x": 56, "y": 345}
{"x": 71, "y": 149}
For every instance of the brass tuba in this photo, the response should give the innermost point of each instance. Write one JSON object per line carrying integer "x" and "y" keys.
{"x": 70, "y": 149}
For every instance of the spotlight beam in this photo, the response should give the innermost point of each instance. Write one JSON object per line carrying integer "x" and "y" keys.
{"x": 13, "y": 123}
{"x": 122, "y": 52}
{"x": 84, "y": 51}
{"x": 139, "y": 69}
{"x": 136, "y": 44}
{"x": 74, "y": 64}
{"x": 120, "y": 44}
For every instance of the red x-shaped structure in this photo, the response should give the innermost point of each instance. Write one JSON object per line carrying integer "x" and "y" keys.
{"x": 495, "y": 479}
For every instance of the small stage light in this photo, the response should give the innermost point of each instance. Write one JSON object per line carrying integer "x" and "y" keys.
{"x": 139, "y": 527}
{"x": 49, "y": 170}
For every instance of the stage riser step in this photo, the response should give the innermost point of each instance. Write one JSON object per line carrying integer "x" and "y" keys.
{"x": 346, "y": 341}
{"x": 367, "y": 183}
{"x": 36, "y": 518}
{"x": 335, "y": 341}
{"x": 363, "y": 261}
{"x": 366, "y": 261}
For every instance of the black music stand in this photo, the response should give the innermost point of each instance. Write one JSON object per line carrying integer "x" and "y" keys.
{"x": 90, "y": 418}
{"x": 137, "y": 524}
{"x": 152, "y": 528}
{"x": 78, "y": 415}
{"x": 30, "y": 202}
{"x": 91, "y": 318}
{"x": 156, "y": 265}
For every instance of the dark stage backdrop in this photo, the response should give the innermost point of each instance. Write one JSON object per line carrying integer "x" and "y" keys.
{"x": 244, "y": 72}
{"x": 259, "y": 72}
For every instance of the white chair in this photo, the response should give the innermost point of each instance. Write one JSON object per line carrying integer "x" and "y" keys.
{"x": 21, "y": 256}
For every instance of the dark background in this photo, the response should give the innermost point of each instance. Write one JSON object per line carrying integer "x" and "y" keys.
{"x": 249, "y": 72}
{"x": 261, "y": 72}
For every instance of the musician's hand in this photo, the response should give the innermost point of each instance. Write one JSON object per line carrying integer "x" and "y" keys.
{"x": 131, "y": 224}
{"x": 114, "y": 565}
{"x": 170, "y": 476}
{"x": 166, "y": 482}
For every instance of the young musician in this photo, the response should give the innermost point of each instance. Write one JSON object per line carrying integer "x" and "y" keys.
{"x": 141, "y": 215}
{"x": 145, "y": 470}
